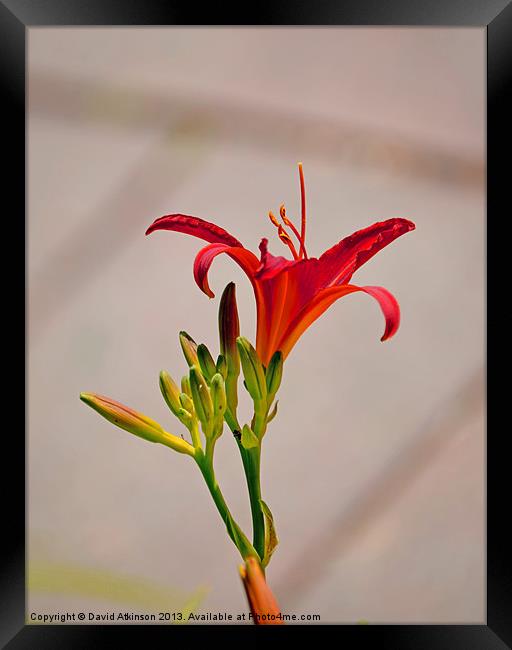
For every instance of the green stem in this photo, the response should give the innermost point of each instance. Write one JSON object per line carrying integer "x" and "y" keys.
{"x": 252, "y": 470}
{"x": 251, "y": 463}
{"x": 194, "y": 434}
{"x": 234, "y": 531}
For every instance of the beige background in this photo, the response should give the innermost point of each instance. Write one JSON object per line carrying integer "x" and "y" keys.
{"x": 374, "y": 466}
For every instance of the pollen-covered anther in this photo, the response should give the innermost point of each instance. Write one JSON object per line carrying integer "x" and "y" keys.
{"x": 273, "y": 219}
{"x": 291, "y": 225}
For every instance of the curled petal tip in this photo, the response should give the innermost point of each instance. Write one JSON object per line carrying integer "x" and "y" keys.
{"x": 195, "y": 226}
{"x": 244, "y": 258}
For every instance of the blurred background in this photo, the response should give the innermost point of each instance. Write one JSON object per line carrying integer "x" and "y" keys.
{"x": 374, "y": 468}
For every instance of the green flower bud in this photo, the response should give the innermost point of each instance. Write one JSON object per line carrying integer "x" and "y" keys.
{"x": 186, "y": 402}
{"x": 253, "y": 370}
{"x": 185, "y": 416}
{"x": 185, "y": 386}
{"x": 170, "y": 392}
{"x": 189, "y": 347}
{"x": 206, "y": 362}
{"x": 274, "y": 375}
{"x": 201, "y": 396}
{"x": 218, "y": 394}
{"x": 135, "y": 422}
{"x": 222, "y": 366}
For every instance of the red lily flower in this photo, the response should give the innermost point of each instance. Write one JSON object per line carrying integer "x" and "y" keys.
{"x": 292, "y": 294}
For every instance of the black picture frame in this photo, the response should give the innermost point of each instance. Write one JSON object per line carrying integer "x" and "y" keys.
{"x": 16, "y": 16}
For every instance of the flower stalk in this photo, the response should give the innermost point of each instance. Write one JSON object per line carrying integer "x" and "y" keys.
{"x": 290, "y": 295}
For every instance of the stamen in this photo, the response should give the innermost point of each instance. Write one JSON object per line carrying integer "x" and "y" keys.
{"x": 283, "y": 235}
{"x": 302, "y": 212}
{"x": 285, "y": 238}
{"x": 282, "y": 212}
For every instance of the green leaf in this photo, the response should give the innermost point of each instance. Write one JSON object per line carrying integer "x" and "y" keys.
{"x": 271, "y": 540}
{"x": 249, "y": 439}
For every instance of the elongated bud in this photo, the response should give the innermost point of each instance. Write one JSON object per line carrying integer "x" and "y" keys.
{"x": 170, "y": 392}
{"x": 206, "y": 362}
{"x": 189, "y": 347}
{"x": 201, "y": 397}
{"x": 229, "y": 325}
{"x": 218, "y": 394}
{"x": 222, "y": 366}
{"x": 185, "y": 386}
{"x": 274, "y": 375}
{"x": 229, "y": 331}
{"x": 135, "y": 422}
{"x": 253, "y": 370}
{"x": 264, "y": 607}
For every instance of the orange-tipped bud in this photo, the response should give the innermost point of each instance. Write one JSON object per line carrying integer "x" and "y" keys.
{"x": 264, "y": 607}
{"x": 135, "y": 422}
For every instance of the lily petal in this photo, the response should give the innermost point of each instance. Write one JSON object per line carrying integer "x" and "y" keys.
{"x": 193, "y": 226}
{"x": 339, "y": 263}
{"x": 243, "y": 257}
{"x": 326, "y": 298}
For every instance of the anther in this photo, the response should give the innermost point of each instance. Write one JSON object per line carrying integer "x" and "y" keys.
{"x": 273, "y": 219}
